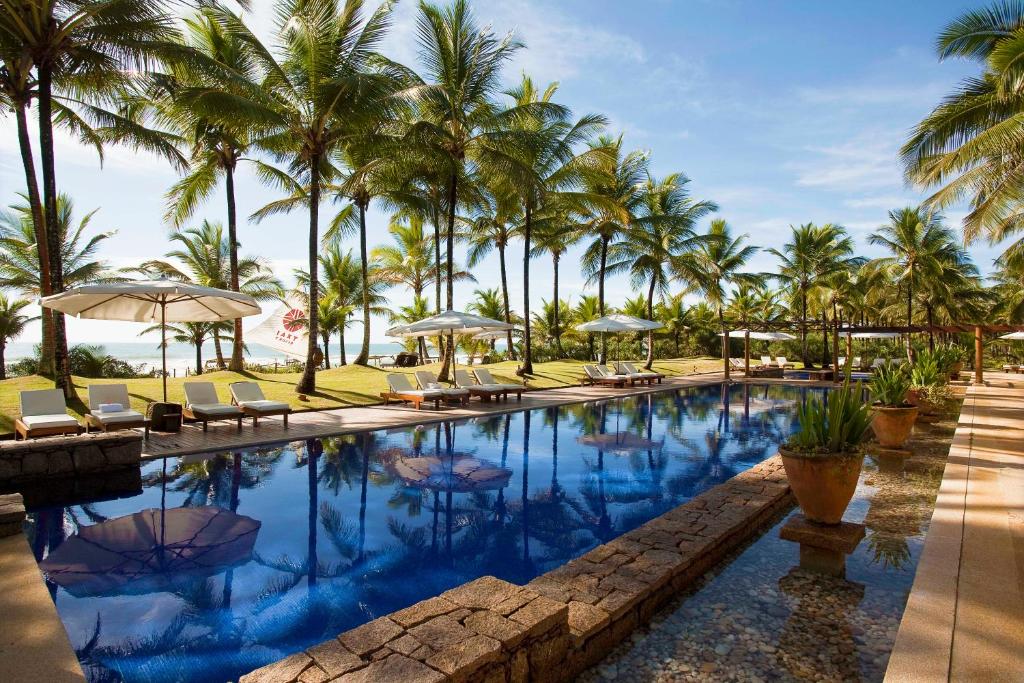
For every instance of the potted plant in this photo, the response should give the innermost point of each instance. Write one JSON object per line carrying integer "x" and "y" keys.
{"x": 823, "y": 458}
{"x": 956, "y": 355}
{"x": 893, "y": 416}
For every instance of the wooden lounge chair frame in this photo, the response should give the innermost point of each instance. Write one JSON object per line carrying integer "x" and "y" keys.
{"x": 26, "y": 432}
{"x": 257, "y": 413}
{"x": 416, "y": 399}
{"x": 206, "y": 418}
{"x": 609, "y": 381}
{"x": 93, "y": 422}
{"x": 650, "y": 373}
{"x": 516, "y": 389}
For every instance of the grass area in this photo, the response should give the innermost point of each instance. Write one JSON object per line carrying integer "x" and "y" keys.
{"x": 351, "y": 385}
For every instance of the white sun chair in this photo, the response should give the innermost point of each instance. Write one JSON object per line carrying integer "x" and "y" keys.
{"x": 737, "y": 364}
{"x": 44, "y": 413}
{"x": 484, "y": 376}
{"x": 595, "y": 376}
{"x": 783, "y": 363}
{"x": 629, "y": 368}
{"x": 202, "y": 405}
{"x": 248, "y": 396}
{"x": 464, "y": 380}
{"x": 401, "y": 389}
{"x": 629, "y": 377}
{"x": 766, "y": 361}
{"x": 877, "y": 363}
{"x": 428, "y": 381}
{"x": 110, "y": 409}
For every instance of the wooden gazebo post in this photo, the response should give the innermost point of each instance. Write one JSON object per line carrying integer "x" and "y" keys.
{"x": 979, "y": 369}
{"x": 746, "y": 352}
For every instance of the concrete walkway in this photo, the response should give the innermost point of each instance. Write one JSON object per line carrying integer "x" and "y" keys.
{"x": 225, "y": 436}
{"x": 965, "y": 616}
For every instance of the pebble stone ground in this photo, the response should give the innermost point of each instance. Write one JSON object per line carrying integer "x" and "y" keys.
{"x": 758, "y": 617}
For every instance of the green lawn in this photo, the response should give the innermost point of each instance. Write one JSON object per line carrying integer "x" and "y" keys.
{"x": 351, "y": 385}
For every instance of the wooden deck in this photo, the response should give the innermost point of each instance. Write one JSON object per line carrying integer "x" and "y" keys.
{"x": 224, "y": 436}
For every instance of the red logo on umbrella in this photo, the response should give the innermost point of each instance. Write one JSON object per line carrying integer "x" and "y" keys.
{"x": 294, "y": 320}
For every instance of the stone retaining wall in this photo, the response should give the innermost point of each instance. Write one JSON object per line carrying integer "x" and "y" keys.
{"x": 492, "y": 631}
{"x": 62, "y": 456}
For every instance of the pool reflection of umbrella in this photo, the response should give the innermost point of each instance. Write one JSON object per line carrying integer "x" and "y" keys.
{"x": 456, "y": 473}
{"x": 619, "y": 442}
{"x": 151, "y": 551}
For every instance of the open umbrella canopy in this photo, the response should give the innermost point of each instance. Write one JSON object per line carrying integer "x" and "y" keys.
{"x": 876, "y": 335}
{"x": 1013, "y": 336}
{"x": 495, "y": 334}
{"x": 448, "y": 322}
{"x": 456, "y": 473}
{"x": 151, "y": 551}
{"x": 619, "y": 442}
{"x": 145, "y": 300}
{"x": 754, "y": 334}
{"x": 619, "y": 322}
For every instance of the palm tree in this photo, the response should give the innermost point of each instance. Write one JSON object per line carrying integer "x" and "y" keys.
{"x": 617, "y": 191}
{"x": 332, "y": 319}
{"x": 674, "y": 314}
{"x": 970, "y": 145}
{"x": 588, "y": 308}
{"x": 407, "y": 261}
{"x": 207, "y": 260}
{"x": 489, "y": 304}
{"x": 555, "y": 235}
{"x": 12, "y": 324}
{"x": 662, "y": 230}
{"x": 195, "y": 334}
{"x": 715, "y": 264}
{"x": 89, "y": 42}
{"x": 20, "y": 268}
{"x": 317, "y": 95}
{"x": 414, "y": 312}
{"x": 215, "y": 147}
{"x": 456, "y": 118}
{"x": 812, "y": 252}
{"x": 920, "y": 246}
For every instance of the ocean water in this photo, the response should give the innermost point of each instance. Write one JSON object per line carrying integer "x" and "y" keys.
{"x": 271, "y": 550}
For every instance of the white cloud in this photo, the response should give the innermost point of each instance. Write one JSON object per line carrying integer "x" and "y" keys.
{"x": 859, "y": 95}
{"x": 865, "y": 162}
{"x": 886, "y": 202}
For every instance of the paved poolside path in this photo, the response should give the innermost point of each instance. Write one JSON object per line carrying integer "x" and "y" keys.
{"x": 965, "y": 616}
{"x": 225, "y": 436}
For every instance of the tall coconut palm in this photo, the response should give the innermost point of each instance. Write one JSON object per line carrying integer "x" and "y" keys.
{"x": 408, "y": 261}
{"x": 319, "y": 91}
{"x": 970, "y": 145}
{"x": 588, "y": 308}
{"x": 548, "y": 169}
{"x": 12, "y": 325}
{"x": 555, "y": 234}
{"x": 89, "y": 42}
{"x": 19, "y": 269}
{"x": 456, "y": 119}
{"x": 662, "y": 229}
{"x": 414, "y": 312}
{"x": 674, "y": 314}
{"x": 619, "y": 198}
{"x": 205, "y": 258}
{"x": 920, "y": 246}
{"x": 812, "y": 252}
{"x": 194, "y": 334}
{"x": 714, "y": 265}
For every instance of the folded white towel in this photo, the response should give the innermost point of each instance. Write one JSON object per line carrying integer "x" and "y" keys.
{"x": 433, "y": 385}
{"x": 111, "y": 408}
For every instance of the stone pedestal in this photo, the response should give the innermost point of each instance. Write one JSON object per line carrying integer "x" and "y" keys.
{"x": 823, "y": 549}
{"x": 890, "y": 459}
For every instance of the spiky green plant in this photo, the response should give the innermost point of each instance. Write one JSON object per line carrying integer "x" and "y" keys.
{"x": 839, "y": 426}
{"x": 889, "y": 385}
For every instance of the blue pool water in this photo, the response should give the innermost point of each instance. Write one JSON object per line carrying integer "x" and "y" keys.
{"x": 287, "y": 546}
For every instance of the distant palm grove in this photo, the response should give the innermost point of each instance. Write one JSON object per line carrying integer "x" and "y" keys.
{"x": 459, "y": 157}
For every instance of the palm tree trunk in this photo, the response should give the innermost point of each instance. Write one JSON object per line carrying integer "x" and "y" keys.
{"x": 3, "y": 363}
{"x": 650, "y": 333}
{"x": 62, "y": 368}
{"x": 364, "y": 352}
{"x": 603, "y": 355}
{"x": 327, "y": 350}
{"x": 527, "y": 367}
{"x": 803, "y": 327}
{"x": 824, "y": 337}
{"x": 218, "y": 350}
{"x": 504, "y": 295}
{"x": 307, "y": 383}
{"x": 437, "y": 277}
{"x": 453, "y": 194}
{"x": 558, "y": 332}
{"x": 931, "y": 335}
{"x": 342, "y": 360}
{"x": 725, "y": 342}
{"x": 237, "y": 343}
{"x": 910, "y": 316}
{"x": 39, "y": 227}
{"x": 199, "y": 356}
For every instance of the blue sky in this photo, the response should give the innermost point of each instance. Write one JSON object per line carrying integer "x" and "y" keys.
{"x": 782, "y": 113}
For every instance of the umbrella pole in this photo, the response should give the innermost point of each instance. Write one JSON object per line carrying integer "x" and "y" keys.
{"x": 163, "y": 342}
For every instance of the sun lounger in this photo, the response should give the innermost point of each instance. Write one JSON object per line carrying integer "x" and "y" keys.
{"x": 737, "y": 364}
{"x": 629, "y": 368}
{"x": 250, "y": 399}
{"x": 401, "y": 389}
{"x": 428, "y": 382}
{"x": 484, "y": 376}
{"x": 877, "y": 363}
{"x": 202, "y": 405}
{"x": 595, "y": 376}
{"x": 856, "y": 365}
{"x": 110, "y": 409}
{"x": 766, "y": 362}
{"x": 783, "y": 363}
{"x": 629, "y": 377}
{"x": 486, "y": 392}
{"x": 44, "y": 413}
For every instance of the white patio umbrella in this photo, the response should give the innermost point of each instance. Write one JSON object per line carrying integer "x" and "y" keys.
{"x": 494, "y": 334}
{"x": 449, "y": 322}
{"x": 1013, "y": 336}
{"x": 617, "y": 323}
{"x": 152, "y": 301}
{"x": 876, "y": 335}
{"x": 765, "y": 336}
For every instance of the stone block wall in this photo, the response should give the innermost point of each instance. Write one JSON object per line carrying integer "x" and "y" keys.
{"x": 62, "y": 456}
{"x": 492, "y": 631}
{"x": 12, "y": 514}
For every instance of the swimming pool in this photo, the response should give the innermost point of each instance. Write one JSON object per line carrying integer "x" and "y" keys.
{"x": 226, "y": 562}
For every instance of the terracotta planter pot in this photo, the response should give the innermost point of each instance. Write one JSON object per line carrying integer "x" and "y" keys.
{"x": 892, "y": 426}
{"x": 913, "y": 396}
{"x": 824, "y": 484}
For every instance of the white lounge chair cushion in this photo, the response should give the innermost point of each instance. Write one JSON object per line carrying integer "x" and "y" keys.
{"x": 265, "y": 405}
{"x": 214, "y": 409}
{"x": 43, "y": 403}
{"x": 399, "y": 384}
{"x": 421, "y": 392}
{"x": 201, "y": 394}
{"x": 631, "y": 369}
{"x": 100, "y": 394}
{"x": 47, "y": 421}
{"x": 246, "y": 392}
{"x": 487, "y": 379}
{"x": 117, "y": 416}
